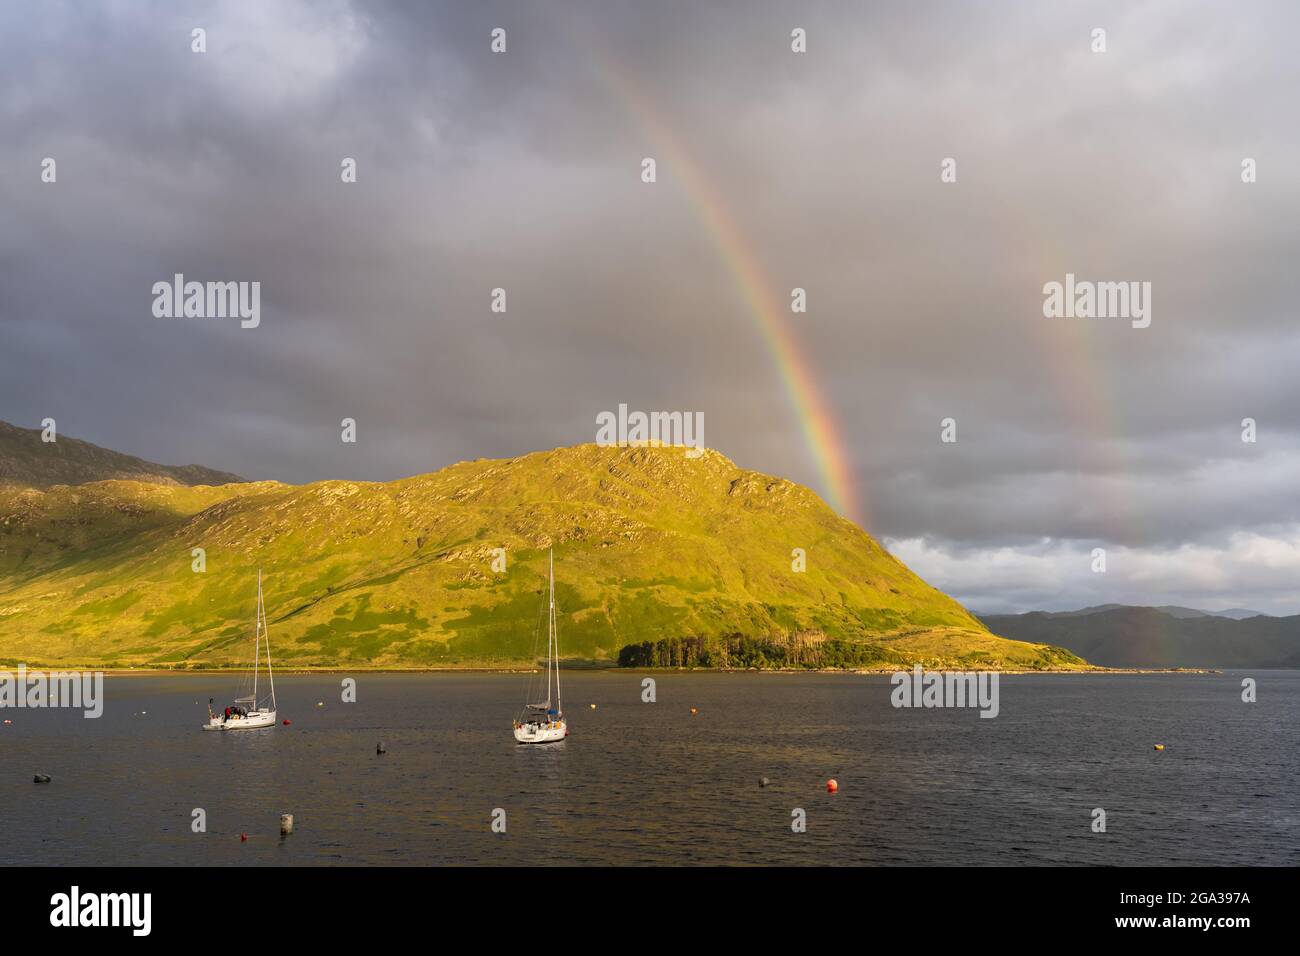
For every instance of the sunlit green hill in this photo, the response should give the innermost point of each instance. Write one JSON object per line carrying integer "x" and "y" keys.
{"x": 648, "y": 544}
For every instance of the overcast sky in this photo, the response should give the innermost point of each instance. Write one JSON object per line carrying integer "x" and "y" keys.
{"x": 522, "y": 170}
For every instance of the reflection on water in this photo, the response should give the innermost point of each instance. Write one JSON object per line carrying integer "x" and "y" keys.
{"x": 641, "y": 783}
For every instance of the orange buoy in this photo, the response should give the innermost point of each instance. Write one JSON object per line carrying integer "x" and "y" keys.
{"x": 832, "y": 785}
{"x": 695, "y": 710}
{"x": 1160, "y": 746}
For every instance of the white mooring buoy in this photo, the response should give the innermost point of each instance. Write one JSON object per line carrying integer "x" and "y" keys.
{"x": 286, "y": 824}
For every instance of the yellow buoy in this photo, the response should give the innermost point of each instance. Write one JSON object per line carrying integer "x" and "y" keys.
{"x": 695, "y": 710}
{"x": 1160, "y": 746}
{"x": 593, "y": 706}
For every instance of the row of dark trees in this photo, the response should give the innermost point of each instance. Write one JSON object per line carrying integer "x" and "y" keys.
{"x": 801, "y": 649}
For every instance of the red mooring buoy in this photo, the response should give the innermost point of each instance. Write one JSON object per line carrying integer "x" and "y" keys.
{"x": 288, "y": 722}
{"x": 243, "y": 838}
{"x": 832, "y": 785}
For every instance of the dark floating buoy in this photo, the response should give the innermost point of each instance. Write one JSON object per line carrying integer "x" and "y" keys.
{"x": 380, "y": 748}
{"x": 243, "y": 838}
{"x": 763, "y": 781}
{"x": 41, "y": 778}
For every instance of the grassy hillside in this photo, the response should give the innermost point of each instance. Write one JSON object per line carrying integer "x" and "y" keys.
{"x": 648, "y": 544}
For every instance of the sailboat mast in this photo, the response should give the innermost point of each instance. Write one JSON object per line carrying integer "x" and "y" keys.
{"x": 555, "y": 640}
{"x": 266, "y": 633}
{"x": 257, "y": 635}
{"x": 550, "y": 631}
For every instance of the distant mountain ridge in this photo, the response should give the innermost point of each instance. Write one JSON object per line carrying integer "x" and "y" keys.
{"x": 1169, "y": 636}
{"x": 1174, "y": 610}
{"x": 29, "y": 462}
{"x": 1239, "y": 613}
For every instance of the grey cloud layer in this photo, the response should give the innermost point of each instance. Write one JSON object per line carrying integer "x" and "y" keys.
{"x": 521, "y": 170}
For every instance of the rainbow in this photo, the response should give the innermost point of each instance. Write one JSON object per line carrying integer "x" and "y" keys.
{"x": 769, "y": 312}
{"x": 1072, "y": 351}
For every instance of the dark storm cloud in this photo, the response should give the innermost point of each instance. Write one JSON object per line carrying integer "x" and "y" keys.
{"x": 521, "y": 171}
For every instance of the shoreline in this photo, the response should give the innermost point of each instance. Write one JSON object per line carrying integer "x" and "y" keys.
{"x": 364, "y": 669}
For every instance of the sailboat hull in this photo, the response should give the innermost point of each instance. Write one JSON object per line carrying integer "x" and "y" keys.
{"x": 254, "y": 721}
{"x": 541, "y": 733}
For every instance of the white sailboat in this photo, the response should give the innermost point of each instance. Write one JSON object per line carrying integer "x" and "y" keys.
{"x": 544, "y": 723}
{"x": 248, "y": 713}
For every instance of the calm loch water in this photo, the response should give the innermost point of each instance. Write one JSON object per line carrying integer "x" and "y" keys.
{"x": 641, "y": 783}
